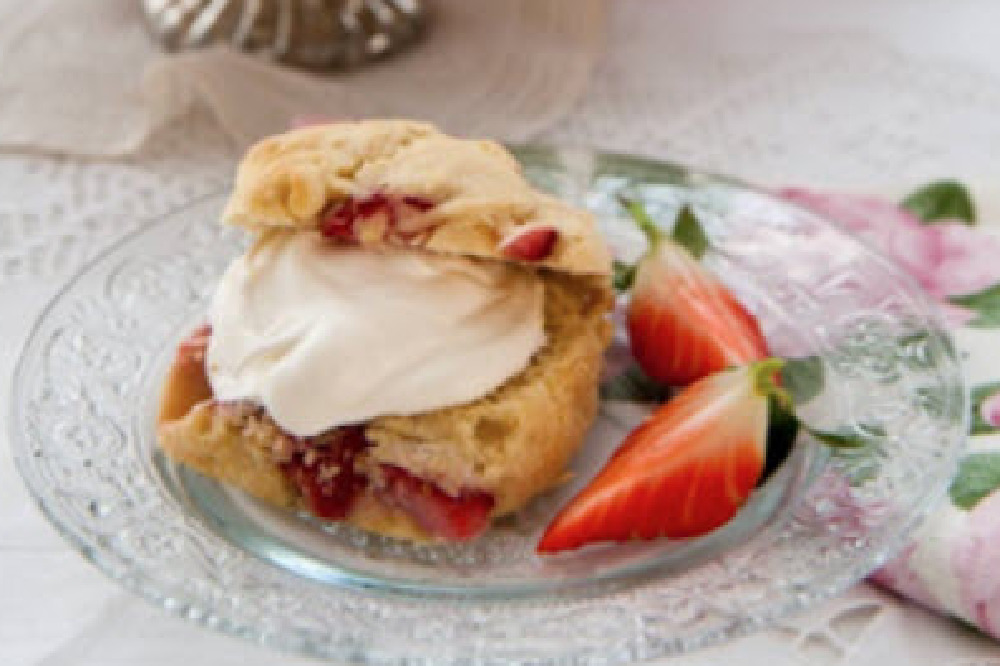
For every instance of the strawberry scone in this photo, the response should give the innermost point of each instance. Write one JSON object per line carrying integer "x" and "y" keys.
{"x": 412, "y": 343}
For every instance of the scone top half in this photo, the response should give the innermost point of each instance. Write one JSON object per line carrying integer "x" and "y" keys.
{"x": 406, "y": 183}
{"x": 439, "y": 474}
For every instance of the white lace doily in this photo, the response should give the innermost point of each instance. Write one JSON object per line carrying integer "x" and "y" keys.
{"x": 853, "y": 95}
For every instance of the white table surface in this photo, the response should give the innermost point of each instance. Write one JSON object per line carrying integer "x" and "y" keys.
{"x": 871, "y": 95}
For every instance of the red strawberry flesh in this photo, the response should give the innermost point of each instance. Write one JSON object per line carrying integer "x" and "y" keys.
{"x": 685, "y": 472}
{"x": 372, "y": 204}
{"x": 339, "y": 224}
{"x": 341, "y": 221}
{"x": 324, "y": 472}
{"x": 323, "y": 469}
{"x": 684, "y": 324}
{"x": 532, "y": 244}
{"x": 419, "y": 203}
{"x": 456, "y": 517}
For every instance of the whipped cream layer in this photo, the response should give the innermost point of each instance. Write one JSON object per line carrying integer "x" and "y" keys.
{"x": 324, "y": 335}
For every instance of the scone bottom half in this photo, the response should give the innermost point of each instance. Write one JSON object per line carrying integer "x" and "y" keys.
{"x": 442, "y": 475}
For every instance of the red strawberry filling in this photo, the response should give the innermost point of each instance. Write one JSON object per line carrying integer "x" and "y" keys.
{"x": 402, "y": 220}
{"x": 378, "y": 217}
{"x": 324, "y": 471}
{"x": 452, "y": 517}
{"x": 532, "y": 244}
{"x": 323, "y": 468}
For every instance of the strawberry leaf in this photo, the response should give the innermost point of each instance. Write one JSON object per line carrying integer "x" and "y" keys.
{"x": 802, "y": 378}
{"x": 642, "y": 219}
{"x": 842, "y": 439}
{"x": 985, "y": 303}
{"x": 632, "y": 385}
{"x": 688, "y": 233}
{"x": 978, "y": 476}
{"x": 942, "y": 200}
{"x": 980, "y": 394}
{"x": 624, "y": 275}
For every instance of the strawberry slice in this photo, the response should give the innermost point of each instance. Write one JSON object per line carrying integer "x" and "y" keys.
{"x": 456, "y": 517}
{"x": 683, "y": 323}
{"x": 684, "y": 472}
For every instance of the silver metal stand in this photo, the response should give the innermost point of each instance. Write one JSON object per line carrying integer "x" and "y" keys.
{"x": 319, "y": 34}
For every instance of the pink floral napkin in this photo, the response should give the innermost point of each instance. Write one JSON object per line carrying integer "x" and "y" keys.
{"x": 953, "y": 565}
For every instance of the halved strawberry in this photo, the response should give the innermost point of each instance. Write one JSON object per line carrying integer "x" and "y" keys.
{"x": 683, "y": 323}
{"x": 686, "y": 471}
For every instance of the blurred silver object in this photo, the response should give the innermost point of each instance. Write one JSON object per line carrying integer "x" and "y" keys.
{"x": 307, "y": 33}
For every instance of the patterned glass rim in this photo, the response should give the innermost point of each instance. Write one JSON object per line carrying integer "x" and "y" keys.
{"x": 477, "y": 638}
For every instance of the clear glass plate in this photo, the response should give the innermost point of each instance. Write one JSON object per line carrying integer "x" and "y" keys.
{"x": 82, "y": 430}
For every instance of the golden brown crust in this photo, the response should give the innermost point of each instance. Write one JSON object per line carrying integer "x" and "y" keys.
{"x": 513, "y": 443}
{"x": 237, "y": 452}
{"x": 480, "y": 194}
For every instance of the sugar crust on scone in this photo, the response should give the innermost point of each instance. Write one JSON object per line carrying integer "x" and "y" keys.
{"x": 481, "y": 198}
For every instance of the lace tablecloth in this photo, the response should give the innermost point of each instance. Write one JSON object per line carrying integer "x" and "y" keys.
{"x": 870, "y": 96}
